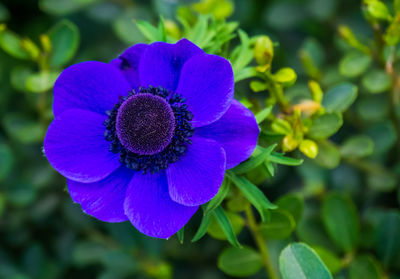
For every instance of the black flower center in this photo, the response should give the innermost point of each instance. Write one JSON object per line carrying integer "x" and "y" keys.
{"x": 150, "y": 128}
{"x": 145, "y": 124}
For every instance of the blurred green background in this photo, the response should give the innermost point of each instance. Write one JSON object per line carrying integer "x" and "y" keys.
{"x": 44, "y": 235}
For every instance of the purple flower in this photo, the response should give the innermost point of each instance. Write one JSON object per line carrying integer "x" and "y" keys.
{"x": 148, "y": 137}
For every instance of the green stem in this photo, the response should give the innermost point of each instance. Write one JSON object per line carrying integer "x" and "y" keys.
{"x": 260, "y": 242}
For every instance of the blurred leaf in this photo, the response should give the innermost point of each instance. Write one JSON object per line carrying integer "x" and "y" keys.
{"x": 328, "y": 155}
{"x": 226, "y": 226}
{"x": 286, "y": 76}
{"x": 88, "y": 252}
{"x": 19, "y": 76}
{"x": 340, "y": 97}
{"x": 62, "y": 7}
{"x": 364, "y": 267}
{"x": 382, "y": 181}
{"x": 64, "y": 38}
{"x": 6, "y": 161}
{"x": 387, "y": 241}
{"x": 340, "y": 217}
{"x": 254, "y": 161}
{"x": 354, "y": 64}
{"x": 325, "y": 125}
{"x": 22, "y": 129}
{"x": 293, "y": 203}
{"x": 357, "y": 147}
{"x": 239, "y": 262}
{"x": 332, "y": 261}
{"x": 125, "y": 27}
{"x": 119, "y": 263}
{"x": 309, "y": 148}
{"x": 384, "y": 136}
{"x": 284, "y": 15}
{"x": 255, "y": 196}
{"x": 377, "y": 10}
{"x": 152, "y": 33}
{"x": 216, "y": 231}
{"x": 11, "y": 43}
{"x": 377, "y": 81}
{"x": 41, "y": 82}
{"x": 372, "y": 108}
{"x": 280, "y": 225}
{"x": 218, "y": 199}
{"x": 298, "y": 261}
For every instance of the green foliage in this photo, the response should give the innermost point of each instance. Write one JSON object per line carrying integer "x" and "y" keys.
{"x": 240, "y": 262}
{"x": 298, "y": 261}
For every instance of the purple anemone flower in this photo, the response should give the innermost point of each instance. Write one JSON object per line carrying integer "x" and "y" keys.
{"x": 148, "y": 137}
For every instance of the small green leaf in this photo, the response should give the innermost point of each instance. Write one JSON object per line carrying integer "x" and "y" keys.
{"x": 244, "y": 53}
{"x": 255, "y": 161}
{"x": 332, "y": 262}
{"x": 340, "y": 97}
{"x": 255, "y": 196}
{"x": 387, "y": 241}
{"x": 286, "y": 76}
{"x": 62, "y": 7}
{"x": 340, "y": 218}
{"x": 263, "y": 114}
{"x": 357, "y": 147}
{"x": 202, "y": 230}
{"x": 217, "y": 200}
{"x": 354, "y": 64}
{"x": 149, "y": 31}
{"x": 22, "y": 129}
{"x": 216, "y": 231}
{"x": 382, "y": 181}
{"x": 377, "y": 10}
{"x": 280, "y": 225}
{"x": 293, "y": 203}
{"x": 377, "y": 81}
{"x": 180, "y": 234}
{"x": 279, "y": 158}
{"x": 298, "y": 261}
{"x": 239, "y": 262}
{"x": 325, "y": 125}
{"x": 226, "y": 226}
{"x": 364, "y": 267}
{"x": 258, "y": 86}
{"x": 281, "y": 126}
{"x": 41, "y": 82}
{"x": 64, "y": 38}
{"x": 246, "y": 73}
{"x": 328, "y": 155}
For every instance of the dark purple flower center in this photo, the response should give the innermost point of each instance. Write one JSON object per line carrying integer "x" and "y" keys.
{"x": 145, "y": 124}
{"x": 150, "y": 128}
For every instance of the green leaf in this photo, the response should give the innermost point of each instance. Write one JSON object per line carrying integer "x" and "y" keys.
{"x": 279, "y": 158}
{"x": 41, "y": 82}
{"x": 382, "y": 181}
{"x": 246, "y": 73}
{"x": 377, "y": 81}
{"x": 219, "y": 197}
{"x": 377, "y": 10}
{"x": 280, "y": 225}
{"x": 255, "y": 196}
{"x": 328, "y": 155}
{"x": 293, "y": 203}
{"x": 340, "y": 97}
{"x": 364, "y": 267}
{"x": 258, "y": 86}
{"x": 216, "y": 231}
{"x": 19, "y": 75}
{"x": 180, "y": 234}
{"x": 151, "y": 32}
{"x": 340, "y": 218}
{"x": 255, "y": 161}
{"x": 62, "y": 7}
{"x": 286, "y": 76}
{"x": 64, "y": 38}
{"x": 299, "y": 261}
{"x": 22, "y": 129}
{"x": 244, "y": 53}
{"x": 240, "y": 262}
{"x": 226, "y": 226}
{"x": 357, "y": 147}
{"x": 387, "y": 241}
{"x": 11, "y": 43}
{"x": 354, "y": 64}
{"x": 332, "y": 262}
{"x": 325, "y": 125}
{"x": 202, "y": 230}
{"x": 263, "y": 114}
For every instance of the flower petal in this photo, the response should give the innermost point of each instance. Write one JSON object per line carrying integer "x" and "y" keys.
{"x": 103, "y": 199}
{"x": 76, "y": 148}
{"x": 128, "y": 63}
{"x": 237, "y": 131}
{"x": 196, "y": 177}
{"x": 91, "y": 85}
{"x": 151, "y": 210}
{"x": 161, "y": 63}
{"x": 207, "y": 83}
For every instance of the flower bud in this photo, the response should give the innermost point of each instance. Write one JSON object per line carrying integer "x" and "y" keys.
{"x": 309, "y": 148}
{"x": 264, "y": 51}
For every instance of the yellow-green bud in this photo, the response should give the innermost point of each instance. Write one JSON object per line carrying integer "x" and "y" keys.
{"x": 264, "y": 51}
{"x": 309, "y": 148}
